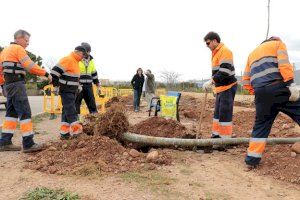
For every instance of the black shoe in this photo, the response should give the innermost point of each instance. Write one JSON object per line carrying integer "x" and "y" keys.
{"x": 66, "y": 136}
{"x": 34, "y": 148}
{"x": 249, "y": 168}
{"x": 10, "y": 147}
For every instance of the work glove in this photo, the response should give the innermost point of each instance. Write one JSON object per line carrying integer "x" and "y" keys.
{"x": 207, "y": 85}
{"x": 295, "y": 92}
{"x": 79, "y": 88}
{"x": 55, "y": 90}
{"x": 99, "y": 91}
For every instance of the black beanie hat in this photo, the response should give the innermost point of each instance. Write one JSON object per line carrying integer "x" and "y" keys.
{"x": 81, "y": 48}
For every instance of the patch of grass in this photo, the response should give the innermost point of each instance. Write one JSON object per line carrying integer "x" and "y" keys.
{"x": 40, "y": 117}
{"x": 156, "y": 181}
{"x": 186, "y": 171}
{"x": 213, "y": 195}
{"x": 196, "y": 184}
{"x": 88, "y": 170}
{"x": 38, "y": 132}
{"x": 47, "y": 194}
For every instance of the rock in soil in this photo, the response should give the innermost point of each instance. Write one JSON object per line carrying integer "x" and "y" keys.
{"x": 296, "y": 147}
{"x": 134, "y": 153}
{"x": 152, "y": 156}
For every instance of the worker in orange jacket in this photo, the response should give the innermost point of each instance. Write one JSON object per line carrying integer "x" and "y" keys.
{"x": 1, "y": 76}
{"x": 269, "y": 75}
{"x": 66, "y": 78}
{"x": 223, "y": 77}
{"x": 15, "y": 63}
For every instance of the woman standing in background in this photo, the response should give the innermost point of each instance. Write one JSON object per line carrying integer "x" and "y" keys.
{"x": 137, "y": 84}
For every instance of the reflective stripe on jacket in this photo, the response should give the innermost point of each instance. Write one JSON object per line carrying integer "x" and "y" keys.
{"x": 269, "y": 62}
{"x": 88, "y": 74}
{"x": 66, "y": 73}
{"x": 223, "y": 72}
{"x": 14, "y": 60}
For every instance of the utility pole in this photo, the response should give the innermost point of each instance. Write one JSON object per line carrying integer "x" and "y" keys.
{"x": 268, "y": 26}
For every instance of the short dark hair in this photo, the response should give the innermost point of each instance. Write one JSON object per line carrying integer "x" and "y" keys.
{"x": 21, "y": 33}
{"x": 212, "y": 36}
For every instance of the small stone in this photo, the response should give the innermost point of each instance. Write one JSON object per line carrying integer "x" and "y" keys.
{"x": 31, "y": 159}
{"x": 64, "y": 146}
{"x": 151, "y": 166}
{"x": 81, "y": 144}
{"x": 125, "y": 154}
{"x": 285, "y": 126}
{"x": 52, "y": 148}
{"x": 134, "y": 153}
{"x": 152, "y": 156}
{"x": 52, "y": 170}
{"x": 293, "y": 154}
{"x": 296, "y": 147}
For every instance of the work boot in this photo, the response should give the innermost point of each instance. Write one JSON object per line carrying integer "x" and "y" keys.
{"x": 66, "y": 136}
{"x": 249, "y": 168}
{"x": 34, "y": 148}
{"x": 10, "y": 147}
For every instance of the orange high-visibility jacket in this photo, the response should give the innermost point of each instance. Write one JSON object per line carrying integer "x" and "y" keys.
{"x": 66, "y": 73}
{"x": 223, "y": 72}
{"x": 15, "y": 60}
{"x": 1, "y": 72}
{"x": 269, "y": 62}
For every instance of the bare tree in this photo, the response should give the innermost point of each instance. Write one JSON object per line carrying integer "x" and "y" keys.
{"x": 170, "y": 77}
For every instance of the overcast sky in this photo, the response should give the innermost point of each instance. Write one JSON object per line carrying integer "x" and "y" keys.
{"x": 157, "y": 34}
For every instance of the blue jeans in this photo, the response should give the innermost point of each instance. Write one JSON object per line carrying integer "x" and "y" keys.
{"x": 136, "y": 99}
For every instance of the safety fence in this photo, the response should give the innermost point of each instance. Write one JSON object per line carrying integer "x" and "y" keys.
{"x": 52, "y": 102}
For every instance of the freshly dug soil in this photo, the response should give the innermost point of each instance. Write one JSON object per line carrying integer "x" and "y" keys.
{"x": 283, "y": 125}
{"x": 126, "y": 101}
{"x": 278, "y": 163}
{"x": 113, "y": 123}
{"x": 91, "y": 155}
{"x": 160, "y": 127}
{"x": 190, "y": 107}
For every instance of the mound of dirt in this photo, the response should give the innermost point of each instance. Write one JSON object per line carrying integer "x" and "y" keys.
{"x": 126, "y": 101}
{"x": 160, "y": 127}
{"x": 283, "y": 125}
{"x": 113, "y": 123}
{"x": 190, "y": 107}
{"x": 278, "y": 163}
{"x": 246, "y": 104}
{"x": 112, "y": 101}
{"x": 91, "y": 155}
